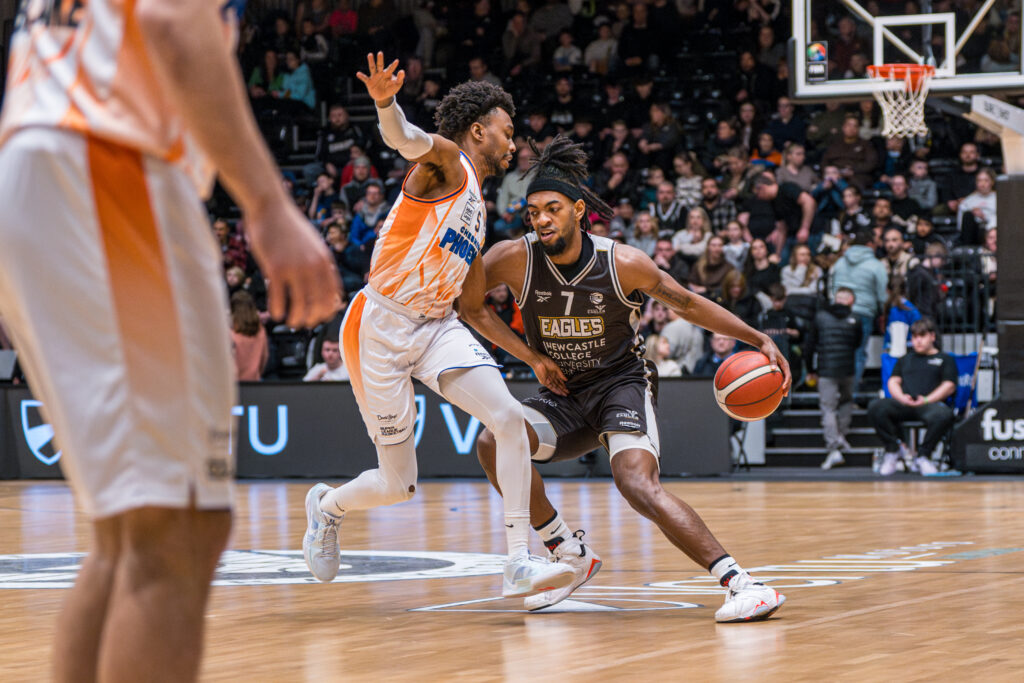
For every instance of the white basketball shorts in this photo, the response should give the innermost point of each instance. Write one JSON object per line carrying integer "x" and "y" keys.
{"x": 386, "y": 346}
{"x": 110, "y": 283}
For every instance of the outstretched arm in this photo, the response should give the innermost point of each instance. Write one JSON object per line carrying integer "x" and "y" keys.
{"x": 383, "y": 83}
{"x": 474, "y": 311}
{"x": 638, "y": 271}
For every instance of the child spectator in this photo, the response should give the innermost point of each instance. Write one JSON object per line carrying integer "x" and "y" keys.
{"x": 735, "y": 247}
{"x": 900, "y": 314}
{"x": 761, "y": 268}
{"x": 711, "y": 268}
{"x": 922, "y": 188}
{"x": 780, "y": 324}
{"x": 688, "y": 183}
{"x": 657, "y": 351}
{"x": 765, "y": 156}
{"x": 248, "y": 338}
{"x": 923, "y": 235}
{"x": 567, "y": 56}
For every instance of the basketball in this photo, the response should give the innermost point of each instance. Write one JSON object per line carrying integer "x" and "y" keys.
{"x": 746, "y": 386}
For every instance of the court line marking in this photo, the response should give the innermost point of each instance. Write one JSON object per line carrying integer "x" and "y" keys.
{"x": 667, "y": 651}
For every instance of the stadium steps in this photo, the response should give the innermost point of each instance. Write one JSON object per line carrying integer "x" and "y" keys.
{"x": 796, "y": 440}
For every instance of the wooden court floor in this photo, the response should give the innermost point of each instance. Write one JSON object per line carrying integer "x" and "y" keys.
{"x": 887, "y": 581}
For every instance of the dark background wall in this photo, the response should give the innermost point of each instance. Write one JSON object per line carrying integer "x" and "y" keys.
{"x": 314, "y": 430}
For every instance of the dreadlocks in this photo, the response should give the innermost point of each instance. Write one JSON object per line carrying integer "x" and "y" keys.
{"x": 562, "y": 167}
{"x": 467, "y": 103}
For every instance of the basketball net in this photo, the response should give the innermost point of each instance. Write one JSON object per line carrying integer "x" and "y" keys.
{"x": 902, "y": 108}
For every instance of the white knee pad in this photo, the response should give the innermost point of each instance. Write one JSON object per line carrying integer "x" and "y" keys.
{"x": 547, "y": 440}
{"x": 616, "y": 442}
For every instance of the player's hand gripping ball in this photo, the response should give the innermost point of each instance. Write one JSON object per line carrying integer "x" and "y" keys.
{"x": 747, "y": 387}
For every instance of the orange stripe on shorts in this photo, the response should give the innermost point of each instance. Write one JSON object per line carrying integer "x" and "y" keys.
{"x": 350, "y": 343}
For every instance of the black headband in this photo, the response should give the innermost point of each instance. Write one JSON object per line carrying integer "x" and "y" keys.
{"x": 541, "y": 183}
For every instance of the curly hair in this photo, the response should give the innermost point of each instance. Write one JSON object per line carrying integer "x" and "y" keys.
{"x": 467, "y": 103}
{"x": 567, "y": 161}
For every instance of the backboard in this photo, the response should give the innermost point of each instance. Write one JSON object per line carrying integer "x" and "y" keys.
{"x": 957, "y": 42}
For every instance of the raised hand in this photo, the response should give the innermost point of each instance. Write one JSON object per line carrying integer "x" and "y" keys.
{"x": 382, "y": 83}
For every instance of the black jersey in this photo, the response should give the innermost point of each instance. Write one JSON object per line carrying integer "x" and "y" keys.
{"x": 588, "y": 325}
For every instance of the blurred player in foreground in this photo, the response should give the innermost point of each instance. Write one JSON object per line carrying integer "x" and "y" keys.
{"x": 402, "y": 324}
{"x": 581, "y": 296}
{"x": 116, "y": 114}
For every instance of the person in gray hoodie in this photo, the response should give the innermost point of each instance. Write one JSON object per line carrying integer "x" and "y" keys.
{"x": 861, "y": 272}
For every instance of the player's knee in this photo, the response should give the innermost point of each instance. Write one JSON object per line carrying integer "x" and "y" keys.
{"x": 171, "y": 543}
{"x": 398, "y": 491}
{"x": 507, "y": 420}
{"x": 486, "y": 447}
{"x": 640, "y": 489}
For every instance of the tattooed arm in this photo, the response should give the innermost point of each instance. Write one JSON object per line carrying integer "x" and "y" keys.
{"x": 638, "y": 272}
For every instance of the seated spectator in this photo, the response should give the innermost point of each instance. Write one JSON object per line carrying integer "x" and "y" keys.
{"x": 761, "y": 267}
{"x": 334, "y": 142}
{"x": 512, "y": 196}
{"x": 648, "y": 191}
{"x": 666, "y": 258}
{"x": 922, "y": 188}
{"x": 781, "y": 325}
{"x": 769, "y": 51}
{"x": 719, "y": 209}
{"x": 961, "y": 182}
{"x": 670, "y": 211}
{"x": 368, "y": 213}
{"x": 721, "y": 348}
{"x": 897, "y": 260}
{"x": 688, "y": 182}
{"x": 567, "y": 56}
{"x": 660, "y": 136}
{"x": 853, "y": 218}
{"x": 736, "y": 247}
{"x": 900, "y": 314}
{"x": 248, "y": 338}
{"x": 623, "y": 219}
{"x": 654, "y": 319}
{"x": 904, "y": 207}
{"x": 786, "y": 125}
{"x": 923, "y": 281}
{"x": 755, "y": 80}
{"x": 765, "y": 156}
{"x": 685, "y": 341}
{"x": 601, "y": 53}
{"x": 1000, "y": 58}
{"x": 563, "y": 107}
{"x": 859, "y": 271}
{"x": 692, "y": 241}
{"x": 352, "y": 262}
{"x": 617, "y": 180}
{"x": 324, "y": 196}
{"x": 717, "y": 148}
{"x": 748, "y": 126}
{"x": 881, "y": 216}
{"x": 988, "y": 255}
{"x": 297, "y": 85}
{"x": 738, "y": 300}
{"x": 583, "y": 134}
{"x": 539, "y": 125}
{"x": 920, "y": 383}
{"x": 922, "y": 235}
{"x": 657, "y": 351}
{"x": 644, "y": 235}
{"x": 855, "y": 157}
{"x": 981, "y": 204}
{"x": 353, "y": 190}
{"x": 232, "y": 248}
{"x": 800, "y": 276}
{"x": 619, "y": 141}
{"x": 832, "y": 342}
{"x": 871, "y": 123}
{"x": 266, "y": 77}
{"x": 794, "y": 170}
{"x": 332, "y": 369}
{"x": 479, "y": 70}
{"x": 826, "y": 124}
{"x": 710, "y": 270}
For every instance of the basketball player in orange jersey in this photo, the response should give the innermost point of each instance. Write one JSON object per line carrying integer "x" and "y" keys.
{"x": 116, "y": 112}
{"x": 402, "y": 324}
{"x": 581, "y": 296}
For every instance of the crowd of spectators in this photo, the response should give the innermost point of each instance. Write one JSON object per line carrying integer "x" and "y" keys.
{"x": 744, "y": 195}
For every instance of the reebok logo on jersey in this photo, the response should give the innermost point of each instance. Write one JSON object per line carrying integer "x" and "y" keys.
{"x": 460, "y": 245}
{"x": 564, "y": 328}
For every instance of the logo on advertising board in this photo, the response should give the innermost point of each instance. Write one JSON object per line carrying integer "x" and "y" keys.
{"x": 38, "y": 432}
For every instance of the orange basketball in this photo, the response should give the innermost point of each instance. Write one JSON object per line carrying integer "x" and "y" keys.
{"x": 746, "y": 386}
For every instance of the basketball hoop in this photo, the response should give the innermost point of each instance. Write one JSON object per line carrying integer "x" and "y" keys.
{"x": 903, "y": 108}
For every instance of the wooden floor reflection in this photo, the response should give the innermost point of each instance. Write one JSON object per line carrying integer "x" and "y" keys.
{"x": 897, "y": 580}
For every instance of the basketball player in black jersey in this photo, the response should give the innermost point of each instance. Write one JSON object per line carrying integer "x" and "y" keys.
{"x": 581, "y": 296}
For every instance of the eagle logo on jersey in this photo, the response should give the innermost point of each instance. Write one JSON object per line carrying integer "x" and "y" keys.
{"x": 596, "y": 298}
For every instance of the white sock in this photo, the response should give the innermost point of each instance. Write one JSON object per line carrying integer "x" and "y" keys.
{"x": 553, "y": 532}
{"x": 517, "y": 533}
{"x": 725, "y": 569}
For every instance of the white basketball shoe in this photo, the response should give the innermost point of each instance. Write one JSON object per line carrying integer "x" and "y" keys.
{"x": 748, "y": 600}
{"x": 527, "y": 575}
{"x": 320, "y": 545}
{"x": 585, "y": 563}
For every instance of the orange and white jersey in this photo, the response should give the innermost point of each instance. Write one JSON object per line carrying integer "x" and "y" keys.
{"x": 82, "y": 65}
{"x": 426, "y": 247}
